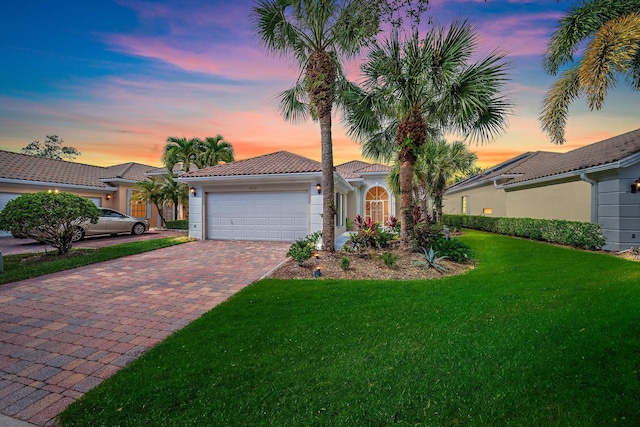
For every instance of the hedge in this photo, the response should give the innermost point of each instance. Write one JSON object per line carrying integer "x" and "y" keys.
{"x": 180, "y": 224}
{"x": 582, "y": 235}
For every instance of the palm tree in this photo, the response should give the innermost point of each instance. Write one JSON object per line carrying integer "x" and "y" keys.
{"x": 610, "y": 30}
{"x": 180, "y": 150}
{"x": 150, "y": 191}
{"x": 317, "y": 34}
{"x": 213, "y": 151}
{"x": 177, "y": 193}
{"x": 438, "y": 163}
{"x": 415, "y": 90}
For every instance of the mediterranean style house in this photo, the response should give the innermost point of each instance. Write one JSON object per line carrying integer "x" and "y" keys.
{"x": 278, "y": 196}
{"x": 110, "y": 187}
{"x": 598, "y": 183}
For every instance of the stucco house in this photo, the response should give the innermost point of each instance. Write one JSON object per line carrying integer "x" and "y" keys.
{"x": 278, "y": 196}
{"x": 110, "y": 187}
{"x": 599, "y": 183}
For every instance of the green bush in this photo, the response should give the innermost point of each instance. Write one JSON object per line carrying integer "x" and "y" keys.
{"x": 424, "y": 234}
{"x": 301, "y": 250}
{"x": 49, "y": 218}
{"x": 390, "y": 259}
{"x": 453, "y": 249}
{"x": 582, "y": 235}
{"x": 180, "y": 224}
{"x": 345, "y": 263}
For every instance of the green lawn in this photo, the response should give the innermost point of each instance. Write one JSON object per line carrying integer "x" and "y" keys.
{"x": 20, "y": 267}
{"x": 535, "y": 335}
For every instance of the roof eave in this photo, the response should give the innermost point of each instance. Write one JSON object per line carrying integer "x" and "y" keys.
{"x": 56, "y": 184}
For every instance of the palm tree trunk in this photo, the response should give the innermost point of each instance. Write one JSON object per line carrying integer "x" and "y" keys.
{"x": 328, "y": 203}
{"x": 406, "y": 200}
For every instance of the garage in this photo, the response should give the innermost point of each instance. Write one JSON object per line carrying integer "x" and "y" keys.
{"x": 277, "y": 216}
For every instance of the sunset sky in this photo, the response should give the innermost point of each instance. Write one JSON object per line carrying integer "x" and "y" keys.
{"x": 116, "y": 78}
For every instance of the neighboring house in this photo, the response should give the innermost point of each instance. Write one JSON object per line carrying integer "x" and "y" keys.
{"x": 596, "y": 183}
{"x": 110, "y": 187}
{"x": 278, "y": 197}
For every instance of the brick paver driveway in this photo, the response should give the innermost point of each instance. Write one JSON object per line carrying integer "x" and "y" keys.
{"x": 62, "y": 334}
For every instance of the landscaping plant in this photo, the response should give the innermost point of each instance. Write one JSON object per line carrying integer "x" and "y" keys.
{"x": 345, "y": 263}
{"x": 454, "y": 249}
{"x": 301, "y": 250}
{"x": 429, "y": 259}
{"x": 390, "y": 259}
{"x": 49, "y": 218}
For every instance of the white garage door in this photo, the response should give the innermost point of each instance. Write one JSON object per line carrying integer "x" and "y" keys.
{"x": 280, "y": 216}
{"x": 4, "y": 199}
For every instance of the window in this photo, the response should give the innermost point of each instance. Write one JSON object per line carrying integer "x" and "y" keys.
{"x": 340, "y": 214}
{"x": 137, "y": 209}
{"x": 487, "y": 211}
{"x": 465, "y": 205}
{"x": 377, "y": 202}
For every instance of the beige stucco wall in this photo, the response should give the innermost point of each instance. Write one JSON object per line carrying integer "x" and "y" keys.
{"x": 478, "y": 199}
{"x": 569, "y": 200}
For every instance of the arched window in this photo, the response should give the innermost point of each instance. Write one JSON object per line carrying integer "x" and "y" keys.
{"x": 377, "y": 204}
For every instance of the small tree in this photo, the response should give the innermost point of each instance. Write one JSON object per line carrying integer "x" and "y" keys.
{"x": 51, "y": 148}
{"x": 49, "y": 218}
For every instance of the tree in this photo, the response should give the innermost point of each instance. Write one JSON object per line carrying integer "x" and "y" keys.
{"x": 317, "y": 34}
{"x": 214, "y": 150}
{"x": 610, "y": 30}
{"x": 150, "y": 191}
{"x": 51, "y": 148}
{"x": 49, "y": 218}
{"x": 438, "y": 162}
{"x": 180, "y": 151}
{"x": 175, "y": 192}
{"x": 415, "y": 90}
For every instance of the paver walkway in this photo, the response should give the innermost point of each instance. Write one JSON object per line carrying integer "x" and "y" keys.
{"x": 64, "y": 333}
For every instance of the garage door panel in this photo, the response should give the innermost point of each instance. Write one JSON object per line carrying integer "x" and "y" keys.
{"x": 281, "y": 216}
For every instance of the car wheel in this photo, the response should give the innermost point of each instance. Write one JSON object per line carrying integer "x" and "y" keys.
{"x": 138, "y": 229}
{"x": 78, "y": 234}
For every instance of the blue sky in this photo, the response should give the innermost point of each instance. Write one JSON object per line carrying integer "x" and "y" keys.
{"x": 116, "y": 78}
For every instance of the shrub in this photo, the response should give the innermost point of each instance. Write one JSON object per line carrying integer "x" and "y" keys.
{"x": 429, "y": 259}
{"x": 453, "y": 249}
{"x": 301, "y": 250}
{"x": 582, "y": 235}
{"x": 390, "y": 259}
{"x": 424, "y": 234}
{"x": 369, "y": 234}
{"x": 49, "y": 218}
{"x": 180, "y": 224}
{"x": 345, "y": 263}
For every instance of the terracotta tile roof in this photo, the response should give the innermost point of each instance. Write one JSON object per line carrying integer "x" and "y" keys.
{"x": 17, "y": 166}
{"x": 281, "y": 162}
{"x": 355, "y": 168}
{"x": 541, "y": 164}
{"x": 600, "y": 153}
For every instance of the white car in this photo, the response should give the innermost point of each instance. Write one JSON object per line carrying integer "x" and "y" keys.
{"x": 111, "y": 222}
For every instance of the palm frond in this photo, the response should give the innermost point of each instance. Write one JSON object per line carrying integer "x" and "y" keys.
{"x": 611, "y": 52}
{"x": 294, "y": 105}
{"x": 555, "y": 105}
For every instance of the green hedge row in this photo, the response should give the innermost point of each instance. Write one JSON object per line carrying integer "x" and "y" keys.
{"x": 180, "y": 224}
{"x": 583, "y": 235}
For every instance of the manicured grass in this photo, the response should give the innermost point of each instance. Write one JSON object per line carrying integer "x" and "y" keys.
{"x": 535, "y": 335}
{"x": 19, "y": 267}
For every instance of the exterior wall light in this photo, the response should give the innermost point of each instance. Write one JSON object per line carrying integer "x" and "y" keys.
{"x": 635, "y": 186}
{"x": 319, "y": 188}
{"x": 192, "y": 190}
{"x": 108, "y": 197}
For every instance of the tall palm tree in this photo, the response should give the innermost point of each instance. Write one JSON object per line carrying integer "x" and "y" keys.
{"x": 214, "y": 149}
{"x": 417, "y": 89}
{"x": 181, "y": 150}
{"x": 317, "y": 35}
{"x": 150, "y": 191}
{"x": 610, "y": 30}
